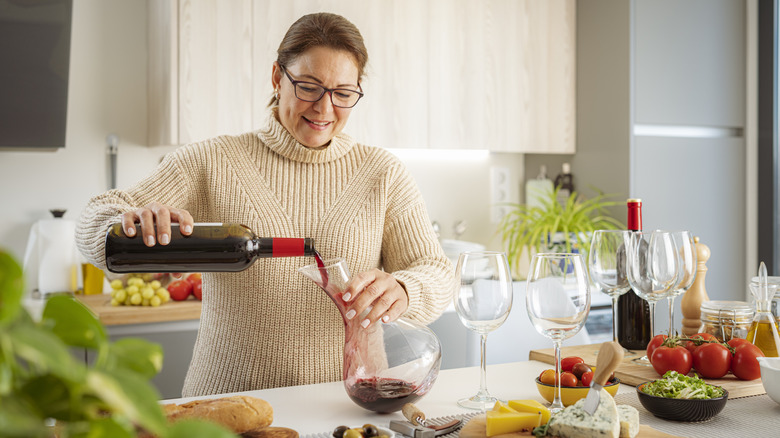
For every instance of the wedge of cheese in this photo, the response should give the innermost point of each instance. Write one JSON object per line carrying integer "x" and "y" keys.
{"x": 530, "y": 406}
{"x": 629, "y": 421}
{"x": 502, "y": 407}
{"x": 574, "y": 422}
{"x": 507, "y": 422}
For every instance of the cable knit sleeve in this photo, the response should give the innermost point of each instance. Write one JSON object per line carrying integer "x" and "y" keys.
{"x": 169, "y": 184}
{"x": 411, "y": 251}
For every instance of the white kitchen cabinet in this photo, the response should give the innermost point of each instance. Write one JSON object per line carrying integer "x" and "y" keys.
{"x": 444, "y": 74}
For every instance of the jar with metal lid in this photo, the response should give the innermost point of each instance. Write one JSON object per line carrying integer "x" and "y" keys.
{"x": 726, "y": 319}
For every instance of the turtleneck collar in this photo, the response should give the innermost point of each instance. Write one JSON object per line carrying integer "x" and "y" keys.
{"x": 278, "y": 139}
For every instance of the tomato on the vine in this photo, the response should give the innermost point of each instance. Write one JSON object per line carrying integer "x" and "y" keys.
{"x": 691, "y": 346}
{"x": 675, "y": 358}
{"x": 655, "y": 343}
{"x": 567, "y": 363}
{"x": 712, "y": 361}
{"x": 736, "y": 342}
{"x": 744, "y": 364}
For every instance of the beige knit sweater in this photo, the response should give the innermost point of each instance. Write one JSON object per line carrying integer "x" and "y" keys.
{"x": 269, "y": 326}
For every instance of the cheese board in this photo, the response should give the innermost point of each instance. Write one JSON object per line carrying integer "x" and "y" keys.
{"x": 631, "y": 373}
{"x": 475, "y": 428}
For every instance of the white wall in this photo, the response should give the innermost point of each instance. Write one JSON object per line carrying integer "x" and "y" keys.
{"x": 107, "y": 94}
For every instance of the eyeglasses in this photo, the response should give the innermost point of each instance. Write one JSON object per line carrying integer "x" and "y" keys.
{"x": 311, "y": 92}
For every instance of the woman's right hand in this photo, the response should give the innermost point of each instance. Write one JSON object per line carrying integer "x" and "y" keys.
{"x": 162, "y": 215}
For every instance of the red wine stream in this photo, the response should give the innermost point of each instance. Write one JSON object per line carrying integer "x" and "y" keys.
{"x": 321, "y": 266}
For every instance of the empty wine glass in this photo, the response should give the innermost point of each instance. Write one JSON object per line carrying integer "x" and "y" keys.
{"x": 607, "y": 268}
{"x": 686, "y": 252}
{"x": 483, "y": 300}
{"x": 653, "y": 265}
{"x": 558, "y": 302}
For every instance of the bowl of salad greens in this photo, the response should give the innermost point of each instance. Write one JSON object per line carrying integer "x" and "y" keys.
{"x": 682, "y": 398}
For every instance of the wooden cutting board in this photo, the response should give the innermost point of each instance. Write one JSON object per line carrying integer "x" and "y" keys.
{"x": 171, "y": 311}
{"x": 475, "y": 428}
{"x": 634, "y": 374}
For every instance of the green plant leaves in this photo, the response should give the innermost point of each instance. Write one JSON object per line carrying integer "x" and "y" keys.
{"x": 44, "y": 352}
{"x": 73, "y": 322}
{"x": 140, "y": 356}
{"x": 11, "y": 288}
{"x": 130, "y": 396}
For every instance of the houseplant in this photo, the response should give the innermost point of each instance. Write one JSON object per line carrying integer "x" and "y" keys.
{"x": 46, "y": 391}
{"x": 554, "y": 226}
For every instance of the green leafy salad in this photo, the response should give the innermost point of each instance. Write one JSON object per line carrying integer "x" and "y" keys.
{"x": 676, "y": 385}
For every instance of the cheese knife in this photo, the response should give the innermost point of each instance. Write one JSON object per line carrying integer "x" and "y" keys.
{"x": 610, "y": 356}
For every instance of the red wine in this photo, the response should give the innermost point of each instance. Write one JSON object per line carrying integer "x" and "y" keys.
{"x": 382, "y": 395}
{"x": 321, "y": 266}
{"x": 209, "y": 248}
{"x": 633, "y": 313}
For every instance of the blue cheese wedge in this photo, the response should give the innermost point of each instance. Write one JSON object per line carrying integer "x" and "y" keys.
{"x": 629, "y": 421}
{"x": 574, "y": 422}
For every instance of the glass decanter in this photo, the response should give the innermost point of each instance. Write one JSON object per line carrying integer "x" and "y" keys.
{"x": 386, "y": 365}
{"x": 763, "y": 330}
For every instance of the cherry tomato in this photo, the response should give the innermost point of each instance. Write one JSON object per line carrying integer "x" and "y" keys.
{"x": 567, "y": 363}
{"x": 712, "y": 361}
{"x": 580, "y": 369}
{"x": 197, "y": 290}
{"x": 691, "y": 346}
{"x": 568, "y": 379}
{"x": 547, "y": 377}
{"x": 586, "y": 378}
{"x": 180, "y": 290}
{"x": 675, "y": 358}
{"x": 655, "y": 343}
{"x": 744, "y": 364}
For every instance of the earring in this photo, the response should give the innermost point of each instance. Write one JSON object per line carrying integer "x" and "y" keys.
{"x": 277, "y": 94}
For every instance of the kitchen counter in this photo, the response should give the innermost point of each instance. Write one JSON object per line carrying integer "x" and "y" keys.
{"x": 121, "y": 315}
{"x": 317, "y": 409}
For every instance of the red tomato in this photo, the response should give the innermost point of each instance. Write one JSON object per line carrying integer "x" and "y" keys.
{"x": 655, "y": 343}
{"x": 691, "y": 346}
{"x": 194, "y": 278}
{"x": 568, "y": 379}
{"x": 180, "y": 290}
{"x": 580, "y": 369}
{"x": 197, "y": 290}
{"x": 567, "y": 363}
{"x": 712, "y": 361}
{"x": 675, "y": 358}
{"x": 736, "y": 342}
{"x": 547, "y": 377}
{"x": 744, "y": 364}
{"x": 587, "y": 378}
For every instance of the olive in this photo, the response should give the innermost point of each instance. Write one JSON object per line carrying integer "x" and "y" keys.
{"x": 370, "y": 431}
{"x": 339, "y": 431}
{"x": 353, "y": 433}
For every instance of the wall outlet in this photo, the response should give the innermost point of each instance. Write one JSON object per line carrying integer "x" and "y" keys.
{"x": 499, "y": 193}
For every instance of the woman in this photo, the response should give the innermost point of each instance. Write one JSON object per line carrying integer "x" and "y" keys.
{"x": 300, "y": 176}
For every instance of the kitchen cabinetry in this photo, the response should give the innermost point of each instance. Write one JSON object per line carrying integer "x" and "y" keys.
{"x": 444, "y": 74}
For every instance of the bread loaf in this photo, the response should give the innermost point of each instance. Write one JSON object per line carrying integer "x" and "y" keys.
{"x": 238, "y": 413}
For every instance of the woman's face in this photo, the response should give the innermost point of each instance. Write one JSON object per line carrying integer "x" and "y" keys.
{"x": 314, "y": 124}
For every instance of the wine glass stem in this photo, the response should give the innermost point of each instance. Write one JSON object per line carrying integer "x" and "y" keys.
{"x": 671, "y": 314}
{"x": 557, "y": 404}
{"x": 652, "y": 318}
{"x": 483, "y": 392}
{"x": 614, "y": 319}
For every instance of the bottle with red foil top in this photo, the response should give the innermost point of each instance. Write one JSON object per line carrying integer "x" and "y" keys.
{"x": 633, "y": 313}
{"x": 212, "y": 247}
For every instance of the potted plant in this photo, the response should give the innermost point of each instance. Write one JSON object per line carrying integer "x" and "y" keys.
{"x": 554, "y": 226}
{"x": 45, "y": 391}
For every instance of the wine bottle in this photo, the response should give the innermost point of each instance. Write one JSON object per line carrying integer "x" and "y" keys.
{"x": 565, "y": 183}
{"x": 633, "y": 313}
{"x": 212, "y": 247}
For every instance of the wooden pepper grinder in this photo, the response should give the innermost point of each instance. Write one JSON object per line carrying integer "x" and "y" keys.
{"x": 696, "y": 294}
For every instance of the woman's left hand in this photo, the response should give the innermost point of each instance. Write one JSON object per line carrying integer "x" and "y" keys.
{"x": 379, "y": 289}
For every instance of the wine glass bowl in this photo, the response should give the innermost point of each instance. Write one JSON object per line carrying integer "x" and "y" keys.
{"x": 483, "y": 299}
{"x": 686, "y": 251}
{"x": 607, "y": 268}
{"x": 557, "y": 301}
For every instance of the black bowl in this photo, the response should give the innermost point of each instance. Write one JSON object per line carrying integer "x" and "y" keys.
{"x": 680, "y": 409}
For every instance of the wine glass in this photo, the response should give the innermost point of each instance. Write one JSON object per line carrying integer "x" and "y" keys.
{"x": 483, "y": 300}
{"x": 653, "y": 268}
{"x": 558, "y": 302}
{"x": 607, "y": 267}
{"x": 686, "y": 251}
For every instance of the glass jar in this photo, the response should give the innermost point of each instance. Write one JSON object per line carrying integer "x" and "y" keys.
{"x": 776, "y": 300}
{"x": 726, "y": 319}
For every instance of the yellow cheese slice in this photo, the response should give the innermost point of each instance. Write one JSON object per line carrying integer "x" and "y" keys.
{"x": 502, "y": 407}
{"x": 507, "y": 422}
{"x": 531, "y": 406}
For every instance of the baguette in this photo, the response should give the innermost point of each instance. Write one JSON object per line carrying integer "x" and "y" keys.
{"x": 238, "y": 413}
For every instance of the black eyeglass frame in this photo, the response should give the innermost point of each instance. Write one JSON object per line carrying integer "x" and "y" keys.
{"x": 324, "y": 90}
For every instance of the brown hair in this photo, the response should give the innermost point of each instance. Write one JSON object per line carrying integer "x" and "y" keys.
{"x": 322, "y": 29}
